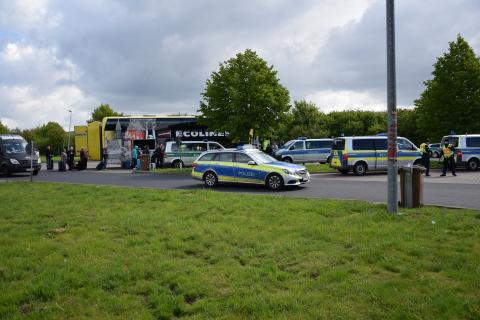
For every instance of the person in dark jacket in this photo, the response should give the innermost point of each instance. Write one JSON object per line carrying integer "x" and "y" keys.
{"x": 82, "y": 164}
{"x": 158, "y": 156}
{"x": 48, "y": 156}
{"x": 105, "y": 157}
{"x": 71, "y": 159}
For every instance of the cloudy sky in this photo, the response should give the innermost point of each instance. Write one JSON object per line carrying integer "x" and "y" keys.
{"x": 154, "y": 56}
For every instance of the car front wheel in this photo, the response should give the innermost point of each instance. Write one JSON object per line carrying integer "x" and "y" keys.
{"x": 274, "y": 182}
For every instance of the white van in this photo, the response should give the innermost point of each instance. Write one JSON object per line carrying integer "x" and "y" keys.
{"x": 188, "y": 152}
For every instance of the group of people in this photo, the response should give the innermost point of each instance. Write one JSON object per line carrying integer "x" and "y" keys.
{"x": 447, "y": 153}
{"x": 157, "y": 157}
{"x": 67, "y": 158}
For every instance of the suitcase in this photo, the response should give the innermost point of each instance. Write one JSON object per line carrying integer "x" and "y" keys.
{"x": 126, "y": 164}
{"x": 62, "y": 166}
{"x": 101, "y": 165}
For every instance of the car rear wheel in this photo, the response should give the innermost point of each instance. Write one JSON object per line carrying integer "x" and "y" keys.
{"x": 472, "y": 165}
{"x": 210, "y": 179}
{"x": 274, "y": 182}
{"x": 360, "y": 169}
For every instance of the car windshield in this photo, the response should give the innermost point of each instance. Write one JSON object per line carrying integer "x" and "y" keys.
{"x": 15, "y": 146}
{"x": 262, "y": 157}
{"x": 287, "y": 144}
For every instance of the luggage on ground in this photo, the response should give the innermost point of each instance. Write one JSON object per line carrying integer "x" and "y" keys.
{"x": 101, "y": 165}
{"x": 62, "y": 166}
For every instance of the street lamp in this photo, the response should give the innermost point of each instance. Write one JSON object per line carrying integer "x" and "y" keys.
{"x": 69, "y": 126}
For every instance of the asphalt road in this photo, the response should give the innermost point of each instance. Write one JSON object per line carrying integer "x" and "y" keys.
{"x": 460, "y": 191}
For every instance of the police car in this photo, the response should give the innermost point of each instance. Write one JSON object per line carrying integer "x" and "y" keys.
{"x": 303, "y": 150}
{"x": 467, "y": 148}
{"x": 247, "y": 165}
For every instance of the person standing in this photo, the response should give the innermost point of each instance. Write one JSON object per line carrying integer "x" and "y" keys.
{"x": 48, "y": 156}
{"x": 105, "y": 157}
{"x": 71, "y": 159}
{"x": 160, "y": 156}
{"x": 448, "y": 154}
{"x": 82, "y": 164}
{"x": 425, "y": 150}
{"x": 134, "y": 156}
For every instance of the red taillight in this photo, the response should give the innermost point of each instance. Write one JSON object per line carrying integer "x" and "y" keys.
{"x": 459, "y": 153}
{"x": 345, "y": 157}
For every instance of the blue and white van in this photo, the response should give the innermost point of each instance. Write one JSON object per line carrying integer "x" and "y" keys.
{"x": 467, "y": 148}
{"x": 303, "y": 150}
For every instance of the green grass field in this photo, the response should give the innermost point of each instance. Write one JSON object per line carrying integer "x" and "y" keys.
{"x": 77, "y": 252}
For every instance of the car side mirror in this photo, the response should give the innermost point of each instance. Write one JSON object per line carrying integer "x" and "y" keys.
{"x": 251, "y": 163}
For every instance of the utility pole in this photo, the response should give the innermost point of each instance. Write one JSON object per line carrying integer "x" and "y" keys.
{"x": 392, "y": 190}
{"x": 69, "y": 126}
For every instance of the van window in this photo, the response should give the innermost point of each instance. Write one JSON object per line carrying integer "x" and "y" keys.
{"x": 338, "y": 144}
{"x": 313, "y": 144}
{"x": 450, "y": 140}
{"x": 405, "y": 145}
{"x": 297, "y": 146}
{"x": 381, "y": 144}
{"x": 199, "y": 147}
{"x": 363, "y": 144}
{"x": 225, "y": 157}
{"x": 214, "y": 146}
{"x": 473, "y": 142}
{"x": 207, "y": 157}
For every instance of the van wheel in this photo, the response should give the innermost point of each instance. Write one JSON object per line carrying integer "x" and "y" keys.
{"x": 274, "y": 182}
{"x": 343, "y": 171}
{"x": 418, "y": 163}
{"x": 360, "y": 168}
{"x": 210, "y": 179}
{"x": 4, "y": 171}
{"x": 472, "y": 165}
{"x": 177, "y": 163}
{"x": 288, "y": 159}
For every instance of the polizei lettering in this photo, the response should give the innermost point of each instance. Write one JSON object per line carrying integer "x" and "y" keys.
{"x": 199, "y": 134}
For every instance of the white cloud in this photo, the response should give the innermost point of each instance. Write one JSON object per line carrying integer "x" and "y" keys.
{"x": 336, "y": 100}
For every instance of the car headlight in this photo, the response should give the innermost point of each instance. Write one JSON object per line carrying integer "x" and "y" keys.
{"x": 287, "y": 171}
{"x": 14, "y": 161}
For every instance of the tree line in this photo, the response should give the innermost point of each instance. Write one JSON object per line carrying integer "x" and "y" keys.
{"x": 245, "y": 98}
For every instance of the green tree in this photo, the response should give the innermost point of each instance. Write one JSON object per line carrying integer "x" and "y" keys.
{"x": 50, "y": 134}
{"x": 3, "y": 128}
{"x": 102, "y": 111}
{"x": 244, "y": 94}
{"x": 303, "y": 119}
{"x": 451, "y": 99}
{"x": 407, "y": 125}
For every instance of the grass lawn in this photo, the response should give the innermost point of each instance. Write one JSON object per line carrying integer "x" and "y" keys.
{"x": 69, "y": 251}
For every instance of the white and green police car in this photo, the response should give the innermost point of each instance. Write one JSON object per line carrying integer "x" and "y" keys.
{"x": 247, "y": 165}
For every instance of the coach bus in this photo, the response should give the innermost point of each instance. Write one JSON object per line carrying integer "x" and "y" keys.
{"x": 120, "y": 134}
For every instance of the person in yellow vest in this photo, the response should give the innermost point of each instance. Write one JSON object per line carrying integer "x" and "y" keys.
{"x": 448, "y": 155}
{"x": 425, "y": 150}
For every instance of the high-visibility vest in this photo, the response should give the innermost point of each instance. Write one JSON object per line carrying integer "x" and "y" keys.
{"x": 447, "y": 152}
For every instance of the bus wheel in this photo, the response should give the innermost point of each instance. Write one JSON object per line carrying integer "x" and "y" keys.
{"x": 360, "y": 168}
{"x": 177, "y": 164}
{"x": 472, "y": 165}
{"x": 210, "y": 179}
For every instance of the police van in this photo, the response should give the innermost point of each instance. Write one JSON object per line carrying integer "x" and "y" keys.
{"x": 187, "y": 152}
{"x": 369, "y": 153}
{"x": 303, "y": 150}
{"x": 467, "y": 148}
